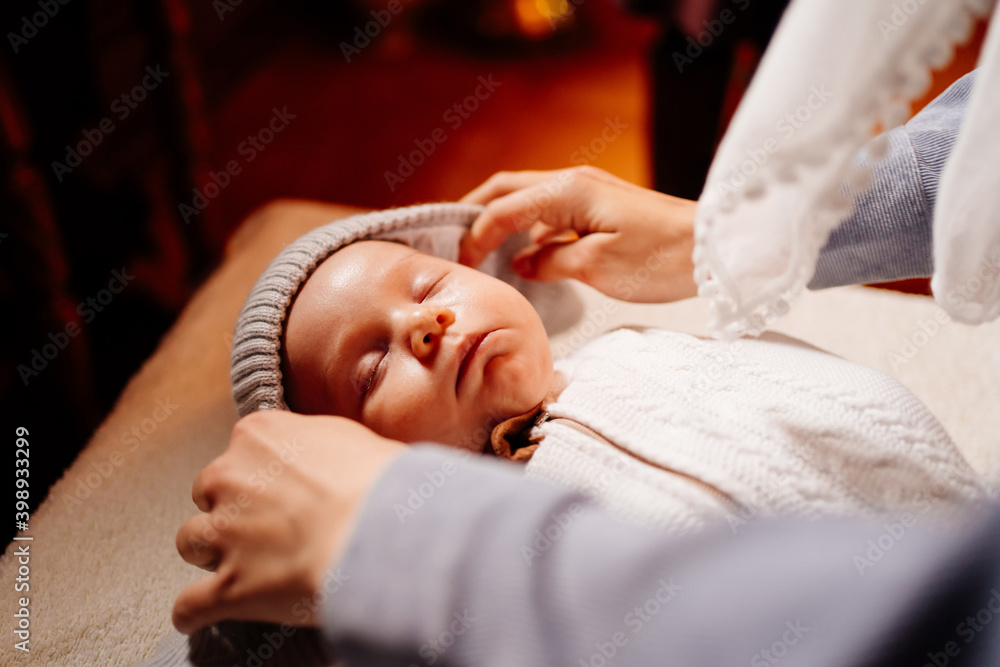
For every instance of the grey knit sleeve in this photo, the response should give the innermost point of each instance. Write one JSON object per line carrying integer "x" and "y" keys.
{"x": 888, "y": 236}
{"x": 462, "y": 561}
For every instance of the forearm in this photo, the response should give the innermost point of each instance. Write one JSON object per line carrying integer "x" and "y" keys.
{"x": 495, "y": 569}
{"x": 888, "y": 236}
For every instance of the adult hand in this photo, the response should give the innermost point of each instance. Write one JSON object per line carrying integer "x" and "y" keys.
{"x": 280, "y": 505}
{"x": 627, "y": 241}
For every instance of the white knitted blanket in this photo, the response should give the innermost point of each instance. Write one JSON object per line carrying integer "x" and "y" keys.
{"x": 105, "y": 572}
{"x": 687, "y": 427}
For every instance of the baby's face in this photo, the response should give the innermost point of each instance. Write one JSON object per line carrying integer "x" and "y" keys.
{"x": 414, "y": 347}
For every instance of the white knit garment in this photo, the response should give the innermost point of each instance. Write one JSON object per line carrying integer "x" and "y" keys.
{"x": 832, "y": 73}
{"x": 777, "y": 425}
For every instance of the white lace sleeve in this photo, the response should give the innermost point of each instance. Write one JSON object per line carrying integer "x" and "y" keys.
{"x": 835, "y": 71}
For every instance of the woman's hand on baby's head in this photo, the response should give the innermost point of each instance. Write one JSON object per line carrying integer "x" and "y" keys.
{"x": 629, "y": 242}
{"x": 278, "y": 507}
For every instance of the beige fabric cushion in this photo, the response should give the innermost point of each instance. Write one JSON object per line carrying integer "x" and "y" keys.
{"x": 104, "y": 568}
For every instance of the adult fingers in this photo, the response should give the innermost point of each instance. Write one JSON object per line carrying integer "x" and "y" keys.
{"x": 203, "y": 603}
{"x": 203, "y": 488}
{"x": 554, "y": 202}
{"x": 196, "y": 542}
{"x": 558, "y": 260}
{"x": 540, "y": 234}
{"x": 502, "y": 183}
{"x": 484, "y": 236}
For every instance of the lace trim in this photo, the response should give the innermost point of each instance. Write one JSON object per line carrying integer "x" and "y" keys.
{"x": 886, "y": 103}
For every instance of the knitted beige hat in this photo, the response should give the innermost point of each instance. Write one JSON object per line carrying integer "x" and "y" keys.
{"x": 435, "y": 229}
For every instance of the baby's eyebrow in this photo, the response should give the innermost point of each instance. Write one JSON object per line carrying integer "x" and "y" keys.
{"x": 406, "y": 264}
{"x": 405, "y": 258}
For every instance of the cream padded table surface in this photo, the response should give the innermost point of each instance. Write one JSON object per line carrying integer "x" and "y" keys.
{"x": 104, "y": 568}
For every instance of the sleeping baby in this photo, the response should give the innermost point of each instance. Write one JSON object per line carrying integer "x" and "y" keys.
{"x": 413, "y": 346}
{"x": 351, "y": 320}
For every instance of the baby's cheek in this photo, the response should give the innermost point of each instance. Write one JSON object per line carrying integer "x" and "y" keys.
{"x": 409, "y": 418}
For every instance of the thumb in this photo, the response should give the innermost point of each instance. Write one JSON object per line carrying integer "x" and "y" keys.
{"x": 201, "y": 604}
{"x": 556, "y": 260}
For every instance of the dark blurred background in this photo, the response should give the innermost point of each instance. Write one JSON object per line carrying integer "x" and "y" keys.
{"x": 136, "y": 136}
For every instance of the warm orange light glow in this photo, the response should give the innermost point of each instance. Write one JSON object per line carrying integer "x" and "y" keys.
{"x": 540, "y": 18}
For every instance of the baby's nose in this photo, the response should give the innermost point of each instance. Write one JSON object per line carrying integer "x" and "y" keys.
{"x": 428, "y": 326}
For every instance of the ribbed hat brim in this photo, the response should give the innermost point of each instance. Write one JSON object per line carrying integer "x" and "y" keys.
{"x": 255, "y": 360}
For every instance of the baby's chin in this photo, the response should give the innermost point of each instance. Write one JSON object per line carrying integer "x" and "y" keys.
{"x": 526, "y": 395}
{"x": 518, "y": 384}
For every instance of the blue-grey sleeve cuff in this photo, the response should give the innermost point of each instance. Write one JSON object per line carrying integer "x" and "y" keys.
{"x": 889, "y": 234}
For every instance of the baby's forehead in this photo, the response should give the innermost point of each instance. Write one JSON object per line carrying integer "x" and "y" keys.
{"x": 370, "y": 251}
{"x": 339, "y": 295}
{"x": 362, "y": 261}
{"x": 356, "y": 270}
